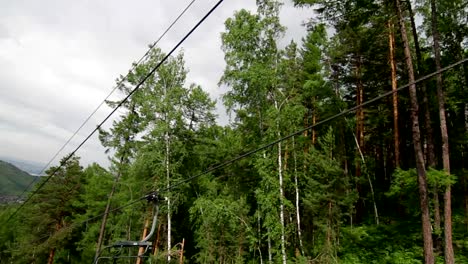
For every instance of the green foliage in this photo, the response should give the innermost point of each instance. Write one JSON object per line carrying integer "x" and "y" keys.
{"x": 13, "y": 180}
{"x": 328, "y": 198}
{"x": 312, "y": 190}
{"x": 222, "y": 224}
{"x": 405, "y": 181}
{"x": 376, "y": 245}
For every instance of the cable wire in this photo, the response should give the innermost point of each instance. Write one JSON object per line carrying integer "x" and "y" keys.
{"x": 345, "y": 112}
{"x": 164, "y": 59}
{"x": 228, "y": 162}
{"x": 117, "y": 86}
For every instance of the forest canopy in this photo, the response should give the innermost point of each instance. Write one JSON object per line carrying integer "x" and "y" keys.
{"x": 360, "y": 139}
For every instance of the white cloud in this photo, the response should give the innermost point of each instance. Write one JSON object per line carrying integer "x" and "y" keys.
{"x": 59, "y": 59}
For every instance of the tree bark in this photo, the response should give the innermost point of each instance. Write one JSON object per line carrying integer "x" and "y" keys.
{"x": 296, "y": 186}
{"x": 270, "y": 253}
{"x": 181, "y": 259}
{"x": 50, "y": 260}
{"x": 169, "y": 224}
{"x": 359, "y": 133}
{"x": 280, "y": 178}
{"x": 396, "y": 133}
{"x": 421, "y": 170}
{"x": 123, "y": 157}
{"x": 143, "y": 235}
{"x": 168, "y": 173}
{"x": 314, "y": 120}
{"x": 376, "y": 212}
{"x": 448, "y": 247}
{"x": 106, "y": 213}
{"x": 429, "y": 144}
{"x": 430, "y": 149}
{"x": 359, "y": 100}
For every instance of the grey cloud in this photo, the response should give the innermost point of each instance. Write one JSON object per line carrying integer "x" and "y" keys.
{"x": 4, "y": 32}
{"x": 71, "y": 53}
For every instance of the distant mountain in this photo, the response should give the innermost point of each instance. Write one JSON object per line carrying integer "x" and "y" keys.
{"x": 13, "y": 181}
{"x": 31, "y": 167}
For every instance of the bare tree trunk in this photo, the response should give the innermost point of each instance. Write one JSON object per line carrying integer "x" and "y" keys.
{"x": 314, "y": 120}
{"x": 376, "y": 213}
{"x": 156, "y": 242}
{"x": 422, "y": 180}
{"x": 50, "y": 260}
{"x": 181, "y": 259}
{"x": 259, "y": 238}
{"x": 430, "y": 149}
{"x": 143, "y": 235}
{"x": 168, "y": 175}
{"x": 359, "y": 135}
{"x": 329, "y": 226}
{"x": 270, "y": 254}
{"x": 396, "y": 133}
{"x": 280, "y": 176}
{"x": 123, "y": 157}
{"x": 296, "y": 186}
{"x": 448, "y": 248}
{"x": 429, "y": 146}
{"x": 106, "y": 213}
{"x": 104, "y": 218}
{"x": 168, "y": 200}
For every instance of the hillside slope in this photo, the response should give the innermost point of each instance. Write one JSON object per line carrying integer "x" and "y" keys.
{"x": 13, "y": 180}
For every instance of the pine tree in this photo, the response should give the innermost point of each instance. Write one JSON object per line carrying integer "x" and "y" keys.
{"x": 48, "y": 225}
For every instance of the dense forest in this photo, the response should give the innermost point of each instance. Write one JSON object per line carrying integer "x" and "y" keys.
{"x": 320, "y": 180}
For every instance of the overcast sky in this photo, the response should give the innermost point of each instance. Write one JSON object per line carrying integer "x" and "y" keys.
{"x": 59, "y": 60}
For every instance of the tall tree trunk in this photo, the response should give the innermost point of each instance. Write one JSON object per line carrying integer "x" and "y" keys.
{"x": 359, "y": 100}
{"x": 123, "y": 157}
{"x": 156, "y": 242}
{"x": 429, "y": 145}
{"x": 270, "y": 253}
{"x": 296, "y": 186}
{"x": 168, "y": 199}
{"x": 259, "y": 238}
{"x": 168, "y": 173}
{"x": 106, "y": 212}
{"x": 448, "y": 247}
{"x": 50, "y": 260}
{"x": 359, "y": 133}
{"x": 280, "y": 178}
{"x": 376, "y": 213}
{"x": 314, "y": 120}
{"x": 143, "y": 235}
{"x": 422, "y": 180}
{"x": 396, "y": 133}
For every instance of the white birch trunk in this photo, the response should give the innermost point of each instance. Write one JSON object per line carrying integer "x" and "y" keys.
{"x": 296, "y": 186}
{"x": 270, "y": 256}
{"x": 280, "y": 176}
{"x": 168, "y": 178}
{"x": 259, "y": 236}
{"x": 376, "y": 213}
{"x": 168, "y": 201}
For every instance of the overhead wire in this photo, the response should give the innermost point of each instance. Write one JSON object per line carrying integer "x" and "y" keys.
{"x": 248, "y": 153}
{"x": 270, "y": 144}
{"x": 342, "y": 113}
{"x": 140, "y": 83}
{"x": 117, "y": 86}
